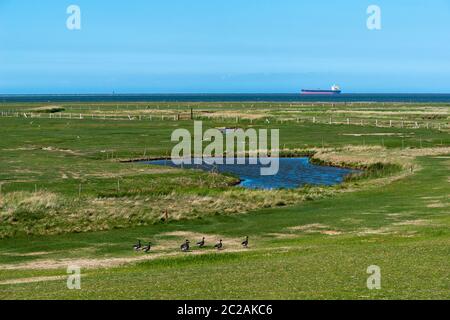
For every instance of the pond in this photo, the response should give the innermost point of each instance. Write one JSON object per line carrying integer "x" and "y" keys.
{"x": 293, "y": 173}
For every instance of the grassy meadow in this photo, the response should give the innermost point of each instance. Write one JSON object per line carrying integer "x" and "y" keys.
{"x": 70, "y": 196}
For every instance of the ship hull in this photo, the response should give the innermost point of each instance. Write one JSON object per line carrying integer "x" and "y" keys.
{"x": 321, "y": 92}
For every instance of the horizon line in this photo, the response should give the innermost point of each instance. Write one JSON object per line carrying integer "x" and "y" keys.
{"x": 214, "y": 93}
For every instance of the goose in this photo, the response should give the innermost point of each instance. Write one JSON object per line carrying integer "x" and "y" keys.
{"x": 138, "y": 246}
{"x": 201, "y": 244}
{"x": 185, "y": 246}
{"x": 219, "y": 246}
{"x": 147, "y": 248}
{"x": 245, "y": 243}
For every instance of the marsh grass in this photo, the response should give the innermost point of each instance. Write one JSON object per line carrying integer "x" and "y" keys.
{"x": 76, "y": 165}
{"x": 375, "y": 170}
{"x": 288, "y": 258}
{"x": 309, "y": 243}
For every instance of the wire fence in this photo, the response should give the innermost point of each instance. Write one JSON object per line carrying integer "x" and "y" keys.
{"x": 381, "y": 123}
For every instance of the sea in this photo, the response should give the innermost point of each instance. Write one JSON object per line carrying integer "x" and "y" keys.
{"x": 293, "y": 98}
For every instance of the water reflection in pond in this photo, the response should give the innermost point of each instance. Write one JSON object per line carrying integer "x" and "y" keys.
{"x": 293, "y": 173}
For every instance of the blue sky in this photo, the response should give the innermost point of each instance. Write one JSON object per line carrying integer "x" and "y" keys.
{"x": 212, "y": 46}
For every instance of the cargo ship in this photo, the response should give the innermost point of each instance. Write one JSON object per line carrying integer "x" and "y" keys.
{"x": 335, "y": 89}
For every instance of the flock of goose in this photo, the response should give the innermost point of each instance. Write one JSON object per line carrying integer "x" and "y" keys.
{"x": 186, "y": 246}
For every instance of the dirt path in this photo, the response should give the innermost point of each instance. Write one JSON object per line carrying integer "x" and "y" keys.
{"x": 32, "y": 280}
{"x": 105, "y": 262}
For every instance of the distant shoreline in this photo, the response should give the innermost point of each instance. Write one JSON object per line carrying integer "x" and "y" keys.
{"x": 229, "y": 98}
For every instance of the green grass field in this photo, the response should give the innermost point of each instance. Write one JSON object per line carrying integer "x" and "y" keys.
{"x": 66, "y": 199}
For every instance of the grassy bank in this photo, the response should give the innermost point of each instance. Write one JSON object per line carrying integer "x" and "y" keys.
{"x": 317, "y": 250}
{"x": 65, "y": 176}
{"x": 66, "y": 198}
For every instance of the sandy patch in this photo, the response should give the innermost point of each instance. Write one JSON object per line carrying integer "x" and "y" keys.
{"x": 394, "y": 215}
{"x": 316, "y": 228}
{"x": 235, "y": 114}
{"x": 22, "y": 149}
{"x": 390, "y": 230}
{"x": 331, "y": 232}
{"x": 410, "y": 234}
{"x": 431, "y": 198}
{"x": 109, "y": 262}
{"x": 47, "y": 108}
{"x": 283, "y": 235}
{"x": 381, "y": 231}
{"x": 437, "y": 205}
{"x": 161, "y": 245}
{"x": 437, "y": 151}
{"x": 412, "y": 223}
{"x": 67, "y": 151}
{"x": 32, "y": 280}
{"x": 374, "y": 134}
{"x": 419, "y": 112}
{"x": 309, "y": 227}
{"x": 31, "y": 254}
